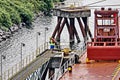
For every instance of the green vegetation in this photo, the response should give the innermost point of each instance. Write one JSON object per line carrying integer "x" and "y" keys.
{"x": 22, "y": 11}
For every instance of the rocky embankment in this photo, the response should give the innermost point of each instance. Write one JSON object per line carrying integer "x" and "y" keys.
{"x": 4, "y": 35}
{"x": 7, "y": 34}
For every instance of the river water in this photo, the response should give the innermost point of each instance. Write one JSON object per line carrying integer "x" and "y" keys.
{"x": 12, "y": 47}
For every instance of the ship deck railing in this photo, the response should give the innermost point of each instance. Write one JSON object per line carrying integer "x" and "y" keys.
{"x": 103, "y": 44}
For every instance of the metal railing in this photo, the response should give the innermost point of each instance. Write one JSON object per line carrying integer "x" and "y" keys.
{"x": 80, "y": 48}
{"x": 64, "y": 68}
{"x": 27, "y": 60}
{"x": 103, "y": 44}
{"x": 44, "y": 70}
{"x": 38, "y": 74}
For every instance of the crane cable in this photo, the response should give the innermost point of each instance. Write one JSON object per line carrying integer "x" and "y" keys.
{"x": 95, "y": 2}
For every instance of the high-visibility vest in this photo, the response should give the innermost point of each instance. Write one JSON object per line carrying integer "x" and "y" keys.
{"x": 51, "y": 43}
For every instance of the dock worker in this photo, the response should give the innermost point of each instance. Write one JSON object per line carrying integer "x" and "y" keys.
{"x": 52, "y": 44}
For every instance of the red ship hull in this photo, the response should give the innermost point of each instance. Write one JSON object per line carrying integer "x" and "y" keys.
{"x": 103, "y": 52}
{"x": 106, "y": 42}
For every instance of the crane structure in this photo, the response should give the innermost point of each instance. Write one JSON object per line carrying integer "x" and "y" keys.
{"x": 67, "y": 15}
{"x": 106, "y": 43}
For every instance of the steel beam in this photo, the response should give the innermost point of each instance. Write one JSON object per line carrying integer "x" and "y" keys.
{"x": 76, "y": 34}
{"x": 57, "y": 27}
{"x": 71, "y": 32}
{"x": 89, "y": 32}
{"x": 81, "y": 27}
{"x": 60, "y": 30}
{"x": 86, "y": 28}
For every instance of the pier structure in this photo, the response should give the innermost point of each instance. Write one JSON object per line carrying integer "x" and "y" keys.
{"x": 67, "y": 15}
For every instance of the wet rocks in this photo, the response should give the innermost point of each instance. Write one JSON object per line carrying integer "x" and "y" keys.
{"x": 14, "y": 28}
{"x": 7, "y": 34}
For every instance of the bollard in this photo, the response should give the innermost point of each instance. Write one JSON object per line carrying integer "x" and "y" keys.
{"x": 119, "y": 62}
{"x": 87, "y": 61}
